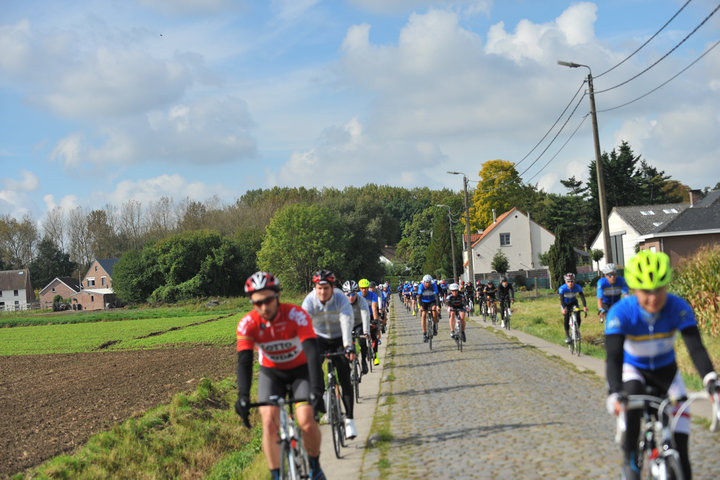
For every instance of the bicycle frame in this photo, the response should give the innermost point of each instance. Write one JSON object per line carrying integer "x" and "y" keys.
{"x": 658, "y": 452}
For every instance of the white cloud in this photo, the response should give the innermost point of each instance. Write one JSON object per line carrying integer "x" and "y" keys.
{"x": 15, "y": 195}
{"x": 151, "y": 189}
{"x": 208, "y": 131}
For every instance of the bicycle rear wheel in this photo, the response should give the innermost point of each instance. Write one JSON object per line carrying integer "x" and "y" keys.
{"x": 356, "y": 379}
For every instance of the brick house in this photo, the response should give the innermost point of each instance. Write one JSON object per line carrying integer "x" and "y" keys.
{"x": 694, "y": 228}
{"x": 16, "y": 291}
{"x": 97, "y": 292}
{"x": 66, "y": 287}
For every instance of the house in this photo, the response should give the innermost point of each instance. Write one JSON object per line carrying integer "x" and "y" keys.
{"x": 16, "y": 291}
{"x": 628, "y": 225}
{"x": 515, "y": 234}
{"x": 694, "y": 228}
{"x": 97, "y": 292}
{"x": 66, "y": 287}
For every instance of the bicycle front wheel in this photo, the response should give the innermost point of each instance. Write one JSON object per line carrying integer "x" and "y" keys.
{"x": 287, "y": 462}
{"x": 334, "y": 421}
{"x": 301, "y": 460}
{"x": 430, "y": 331}
{"x": 356, "y": 379}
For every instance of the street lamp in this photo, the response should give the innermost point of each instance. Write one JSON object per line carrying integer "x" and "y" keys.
{"x": 598, "y": 163}
{"x": 452, "y": 242}
{"x": 471, "y": 274}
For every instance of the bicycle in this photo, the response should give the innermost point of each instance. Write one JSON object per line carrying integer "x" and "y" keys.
{"x": 371, "y": 347}
{"x": 429, "y": 325}
{"x": 457, "y": 331}
{"x": 483, "y": 310}
{"x": 575, "y": 338}
{"x": 333, "y": 403}
{"x": 470, "y": 306}
{"x": 356, "y": 371}
{"x": 492, "y": 311}
{"x": 505, "y": 312}
{"x": 658, "y": 458}
{"x": 294, "y": 461}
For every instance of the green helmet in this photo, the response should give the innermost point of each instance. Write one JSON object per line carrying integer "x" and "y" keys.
{"x": 364, "y": 283}
{"x": 648, "y": 270}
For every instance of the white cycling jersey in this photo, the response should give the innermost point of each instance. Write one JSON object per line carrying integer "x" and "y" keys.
{"x": 332, "y": 319}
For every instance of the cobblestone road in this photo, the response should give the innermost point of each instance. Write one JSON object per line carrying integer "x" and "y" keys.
{"x": 497, "y": 410}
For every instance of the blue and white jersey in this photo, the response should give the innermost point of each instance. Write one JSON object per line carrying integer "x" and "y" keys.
{"x": 609, "y": 293}
{"x": 370, "y": 298}
{"x": 428, "y": 294}
{"x": 569, "y": 295}
{"x": 649, "y": 339}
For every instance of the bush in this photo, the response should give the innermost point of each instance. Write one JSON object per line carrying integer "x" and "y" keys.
{"x": 697, "y": 281}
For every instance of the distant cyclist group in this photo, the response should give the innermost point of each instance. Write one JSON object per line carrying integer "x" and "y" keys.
{"x": 293, "y": 341}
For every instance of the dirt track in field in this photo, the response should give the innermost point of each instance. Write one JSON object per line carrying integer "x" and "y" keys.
{"x": 51, "y": 404}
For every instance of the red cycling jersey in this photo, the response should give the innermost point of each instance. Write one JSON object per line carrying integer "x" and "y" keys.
{"x": 279, "y": 342}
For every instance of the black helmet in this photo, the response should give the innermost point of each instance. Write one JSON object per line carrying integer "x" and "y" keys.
{"x": 323, "y": 276}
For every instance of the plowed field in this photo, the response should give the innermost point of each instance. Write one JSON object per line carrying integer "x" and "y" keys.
{"x": 51, "y": 404}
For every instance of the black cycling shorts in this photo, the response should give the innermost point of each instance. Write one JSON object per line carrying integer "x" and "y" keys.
{"x": 426, "y": 305}
{"x": 273, "y": 381}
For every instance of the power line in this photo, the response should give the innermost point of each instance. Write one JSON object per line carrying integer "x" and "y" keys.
{"x": 553, "y": 125}
{"x": 664, "y": 56}
{"x": 648, "y": 41}
{"x": 556, "y": 135}
{"x": 561, "y": 148}
{"x": 665, "y": 82}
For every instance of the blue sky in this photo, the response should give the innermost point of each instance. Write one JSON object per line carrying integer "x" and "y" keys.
{"x": 105, "y": 101}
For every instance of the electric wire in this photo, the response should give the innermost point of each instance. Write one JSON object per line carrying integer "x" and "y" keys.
{"x": 665, "y": 82}
{"x": 664, "y": 56}
{"x": 553, "y": 125}
{"x": 556, "y": 135}
{"x": 561, "y": 148}
{"x": 646, "y": 42}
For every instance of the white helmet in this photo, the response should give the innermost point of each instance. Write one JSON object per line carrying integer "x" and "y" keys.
{"x": 609, "y": 268}
{"x": 427, "y": 278}
{"x": 453, "y": 287}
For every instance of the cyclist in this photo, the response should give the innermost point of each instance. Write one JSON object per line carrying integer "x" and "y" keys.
{"x": 362, "y": 318}
{"x": 610, "y": 289}
{"x": 456, "y": 303}
{"x": 506, "y": 293}
{"x": 407, "y": 293}
{"x": 289, "y": 360}
{"x": 372, "y": 301}
{"x": 333, "y": 319}
{"x": 489, "y": 293}
{"x": 470, "y": 294}
{"x": 427, "y": 300}
{"x": 569, "y": 292}
{"x": 640, "y": 338}
{"x": 413, "y": 297}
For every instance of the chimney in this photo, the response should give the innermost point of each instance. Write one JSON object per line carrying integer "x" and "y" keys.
{"x": 494, "y": 216}
{"x": 695, "y": 195}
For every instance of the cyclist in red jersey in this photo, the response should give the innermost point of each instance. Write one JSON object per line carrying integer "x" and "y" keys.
{"x": 289, "y": 361}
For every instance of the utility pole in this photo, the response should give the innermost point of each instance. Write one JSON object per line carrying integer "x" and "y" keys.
{"x": 598, "y": 162}
{"x": 468, "y": 247}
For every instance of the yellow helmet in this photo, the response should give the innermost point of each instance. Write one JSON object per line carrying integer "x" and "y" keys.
{"x": 648, "y": 270}
{"x": 364, "y": 283}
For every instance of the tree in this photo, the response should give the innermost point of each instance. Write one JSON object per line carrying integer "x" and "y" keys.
{"x": 561, "y": 258}
{"x": 596, "y": 256}
{"x": 136, "y": 276}
{"x": 17, "y": 241}
{"x": 54, "y": 227}
{"x": 102, "y": 237}
{"x": 500, "y": 188}
{"x": 300, "y": 240}
{"x": 80, "y": 250}
{"x": 500, "y": 262}
{"x": 49, "y": 263}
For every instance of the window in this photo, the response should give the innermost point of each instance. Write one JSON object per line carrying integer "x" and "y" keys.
{"x": 96, "y": 268}
{"x": 616, "y": 247}
{"x": 102, "y": 281}
{"x": 53, "y": 290}
{"x": 15, "y": 292}
{"x": 92, "y": 298}
{"x": 504, "y": 239}
{"x": 91, "y": 281}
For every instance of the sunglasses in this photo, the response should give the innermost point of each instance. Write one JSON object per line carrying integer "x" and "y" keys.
{"x": 264, "y": 301}
{"x": 351, "y": 294}
{"x": 610, "y": 275}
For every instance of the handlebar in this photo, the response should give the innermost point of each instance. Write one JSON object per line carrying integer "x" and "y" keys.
{"x": 277, "y": 401}
{"x": 635, "y": 402}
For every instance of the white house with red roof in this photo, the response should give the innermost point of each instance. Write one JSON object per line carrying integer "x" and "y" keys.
{"x": 515, "y": 234}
